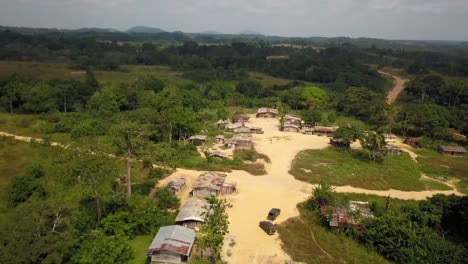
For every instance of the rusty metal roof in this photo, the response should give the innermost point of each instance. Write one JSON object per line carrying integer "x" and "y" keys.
{"x": 453, "y": 149}
{"x": 211, "y": 179}
{"x": 177, "y": 239}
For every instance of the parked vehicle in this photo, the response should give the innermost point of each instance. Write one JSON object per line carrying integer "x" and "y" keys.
{"x": 268, "y": 227}
{"x": 274, "y": 212}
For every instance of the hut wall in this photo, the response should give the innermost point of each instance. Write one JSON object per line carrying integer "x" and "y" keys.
{"x": 168, "y": 257}
{"x": 204, "y": 192}
{"x": 290, "y": 129}
{"x": 242, "y": 130}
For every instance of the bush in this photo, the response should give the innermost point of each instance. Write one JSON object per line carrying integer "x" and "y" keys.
{"x": 166, "y": 199}
{"x": 90, "y": 127}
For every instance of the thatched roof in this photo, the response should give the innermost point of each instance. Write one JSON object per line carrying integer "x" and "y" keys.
{"x": 265, "y": 110}
{"x": 211, "y": 179}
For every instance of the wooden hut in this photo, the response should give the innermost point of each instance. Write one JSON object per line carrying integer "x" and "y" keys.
{"x": 291, "y": 128}
{"x": 340, "y": 142}
{"x": 242, "y": 141}
{"x": 324, "y": 130}
{"x": 172, "y": 244}
{"x": 294, "y": 120}
{"x": 176, "y": 185}
{"x": 211, "y": 183}
{"x": 197, "y": 140}
{"x": 452, "y": 150}
{"x": 192, "y": 214}
{"x": 267, "y": 112}
{"x": 240, "y": 118}
{"x": 392, "y": 150}
{"x": 413, "y": 141}
{"x": 222, "y": 124}
{"x": 219, "y": 139}
{"x": 244, "y": 127}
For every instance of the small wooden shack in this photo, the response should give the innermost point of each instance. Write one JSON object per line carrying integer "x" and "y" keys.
{"x": 323, "y": 130}
{"x": 244, "y": 127}
{"x": 176, "y": 185}
{"x": 219, "y": 139}
{"x": 172, "y": 244}
{"x": 192, "y": 214}
{"x": 340, "y": 142}
{"x": 452, "y": 150}
{"x": 392, "y": 150}
{"x": 197, "y": 140}
{"x": 240, "y": 118}
{"x": 294, "y": 120}
{"x": 390, "y": 138}
{"x": 267, "y": 112}
{"x": 222, "y": 124}
{"x": 291, "y": 128}
{"x": 212, "y": 183}
{"x": 242, "y": 141}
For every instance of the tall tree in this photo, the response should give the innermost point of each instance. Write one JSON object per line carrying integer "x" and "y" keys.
{"x": 130, "y": 138}
{"x": 374, "y": 143}
{"x": 215, "y": 227}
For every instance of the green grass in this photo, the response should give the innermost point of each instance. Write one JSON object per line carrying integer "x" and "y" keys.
{"x": 436, "y": 185}
{"x": 435, "y": 165}
{"x": 268, "y": 80}
{"x": 50, "y": 71}
{"x": 295, "y": 234}
{"x": 339, "y": 167}
{"x": 140, "y": 244}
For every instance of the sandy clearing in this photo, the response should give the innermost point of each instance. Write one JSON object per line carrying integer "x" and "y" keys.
{"x": 258, "y": 194}
{"x": 399, "y": 85}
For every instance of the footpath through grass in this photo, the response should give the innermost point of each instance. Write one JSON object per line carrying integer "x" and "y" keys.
{"x": 437, "y": 165}
{"x": 341, "y": 167}
{"x": 296, "y": 235}
{"x": 140, "y": 245}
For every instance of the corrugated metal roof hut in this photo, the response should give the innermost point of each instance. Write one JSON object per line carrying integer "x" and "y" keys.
{"x": 243, "y": 141}
{"x": 222, "y": 123}
{"x": 240, "y": 118}
{"x": 176, "y": 185}
{"x": 392, "y": 150}
{"x": 208, "y": 184}
{"x": 267, "y": 112}
{"x": 290, "y": 119}
{"x": 219, "y": 139}
{"x": 197, "y": 140}
{"x": 172, "y": 244}
{"x": 452, "y": 150}
{"x": 192, "y": 214}
{"x": 291, "y": 128}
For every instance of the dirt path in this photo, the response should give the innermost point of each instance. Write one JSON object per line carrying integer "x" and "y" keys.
{"x": 258, "y": 194}
{"x": 399, "y": 85}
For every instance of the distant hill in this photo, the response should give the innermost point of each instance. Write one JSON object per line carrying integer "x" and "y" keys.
{"x": 211, "y": 32}
{"x": 143, "y": 29}
{"x": 250, "y": 32}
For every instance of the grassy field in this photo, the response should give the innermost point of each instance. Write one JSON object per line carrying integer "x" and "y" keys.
{"x": 296, "y": 235}
{"x": 436, "y": 165}
{"x": 339, "y": 167}
{"x": 140, "y": 244}
{"x": 126, "y": 73}
{"x": 49, "y": 71}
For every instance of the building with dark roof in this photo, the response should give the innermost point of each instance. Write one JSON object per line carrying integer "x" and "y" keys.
{"x": 452, "y": 150}
{"x": 172, "y": 244}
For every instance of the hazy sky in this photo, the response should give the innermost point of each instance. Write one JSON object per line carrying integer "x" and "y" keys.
{"x": 392, "y": 19}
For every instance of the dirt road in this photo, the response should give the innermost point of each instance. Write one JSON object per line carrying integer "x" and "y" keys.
{"x": 398, "y": 86}
{"x": 258, "y": 194}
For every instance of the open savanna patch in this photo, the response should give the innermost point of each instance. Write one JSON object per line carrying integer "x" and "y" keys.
{"x": 445, "y": 167}
{"x": 349, "y": 167}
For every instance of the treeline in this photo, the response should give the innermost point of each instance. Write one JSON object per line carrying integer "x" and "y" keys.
{"x": 72, "y": 209}
{"x": 429, "y": 231}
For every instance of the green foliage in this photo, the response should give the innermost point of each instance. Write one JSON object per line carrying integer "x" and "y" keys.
{"x": 315, "y": 97}
{"x": 89, "y": 127}
{"x": 215, "y": 227}
{"x": 311, "y": 116}
{"x": 250, "y": 88}
{"x": 374, "y": 143}
{"x": 37, "y": 232}
{"x": 424, "y": 119}
{"x": 99, "y": 248}
{"x": 166, "y": 199}
{"x": 26, "y": 186}
{"x": 363, "y": 104}
{"x": 322, "y": 194}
